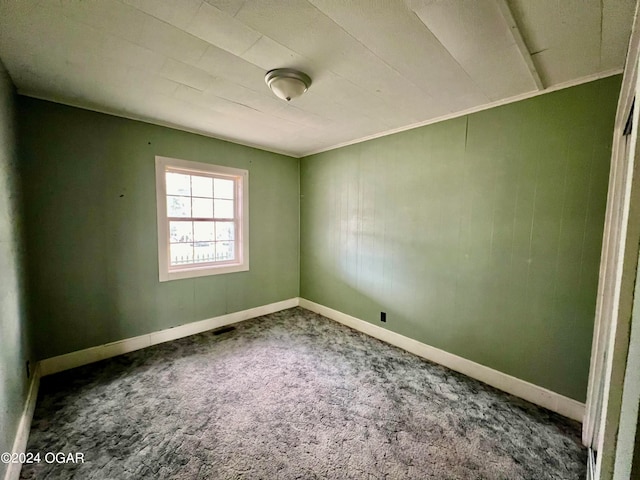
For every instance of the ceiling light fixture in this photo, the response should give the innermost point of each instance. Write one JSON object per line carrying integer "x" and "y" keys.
{"x": 287, "y": 83}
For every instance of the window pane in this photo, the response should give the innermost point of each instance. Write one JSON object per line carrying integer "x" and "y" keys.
{"x": 178, "y": 184}
{"x": 204, "y": 252}
{"x": 224, "y": 231}
{"x": 202, "y": 186}
{"x": 202, "y": 208}
{"x": 181, "y": 253}
{"x": 203, "y": 231}
{"x": 223, "y": 208}
{"x": 178, "y": 206}
{"x": 223, "y": 188}
{"x": 181, "y": 231}
{"x": 224, "y": 251}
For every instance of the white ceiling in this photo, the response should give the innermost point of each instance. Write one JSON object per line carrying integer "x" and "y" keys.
{"x": 377, "y": 65}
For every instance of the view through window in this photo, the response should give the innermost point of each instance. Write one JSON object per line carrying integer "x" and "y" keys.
{"x": 201, "y": 217}
{"x": 201, "y": 214}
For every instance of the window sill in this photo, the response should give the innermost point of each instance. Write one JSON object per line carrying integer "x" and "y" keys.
{"x": 202, "y": 271}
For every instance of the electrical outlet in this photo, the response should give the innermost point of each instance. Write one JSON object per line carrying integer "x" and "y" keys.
{"x": 383, "y": 316}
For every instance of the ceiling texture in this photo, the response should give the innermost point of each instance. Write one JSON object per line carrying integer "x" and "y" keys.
{"x": 378, "y": 66}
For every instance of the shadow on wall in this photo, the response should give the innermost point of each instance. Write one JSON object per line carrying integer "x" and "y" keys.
{"x": 90, "y": 185}
{"x": 480, "y": 235}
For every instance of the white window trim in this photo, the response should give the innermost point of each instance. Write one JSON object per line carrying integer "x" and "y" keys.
{"x": 242, "y": 208}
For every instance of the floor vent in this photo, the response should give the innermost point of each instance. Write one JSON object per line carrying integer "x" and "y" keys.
{"x": 221, "y": 330}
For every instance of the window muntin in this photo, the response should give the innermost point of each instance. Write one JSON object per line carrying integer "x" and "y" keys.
{"x": 202, "y": 219}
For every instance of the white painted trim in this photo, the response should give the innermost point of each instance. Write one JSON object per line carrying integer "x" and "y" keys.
{"x": 449, "y": 116}
{"x": 24, "y": 427}
{"x": 143, "y": 119}
{"x": 618, "y": 273}
{"x": 533, "y": 393}
{"x": 240, "y": 179}
{"x": 591, "y": 464}
{"x": 95, "y": 354}
{"x": 479, "y": 108}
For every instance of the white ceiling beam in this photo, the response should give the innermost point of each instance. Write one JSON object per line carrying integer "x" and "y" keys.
{"x": 522, "y": 46}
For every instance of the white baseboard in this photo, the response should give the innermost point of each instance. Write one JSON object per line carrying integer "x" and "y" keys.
{"x": 22, "y": 435}
{"x": 528, "y": 391}
{"x": 520, "y": 388}
{"x": 94, "y": 354}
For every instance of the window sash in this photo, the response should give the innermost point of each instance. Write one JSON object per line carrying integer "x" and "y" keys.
{"x": 187, "y": 265}
{"x": 240, "y": 220}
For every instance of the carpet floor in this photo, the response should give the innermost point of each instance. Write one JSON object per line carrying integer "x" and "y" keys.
{"x": 291, "y": 395}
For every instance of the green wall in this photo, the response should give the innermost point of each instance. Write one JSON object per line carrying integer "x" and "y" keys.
{"x": 14, "y": 345}
{"x": 91, "y": 230}
{"x": 479, "y": 235}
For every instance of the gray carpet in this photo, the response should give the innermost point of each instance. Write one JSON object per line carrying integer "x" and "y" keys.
{"x": 291, "y": 395}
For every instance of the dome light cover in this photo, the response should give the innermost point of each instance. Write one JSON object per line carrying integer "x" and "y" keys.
{"x": 287, "y": 83}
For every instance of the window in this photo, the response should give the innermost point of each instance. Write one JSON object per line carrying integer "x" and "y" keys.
{"x": 203, "y": 219}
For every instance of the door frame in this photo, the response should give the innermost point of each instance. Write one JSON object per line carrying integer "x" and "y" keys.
{"x": 618, "y": 269}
